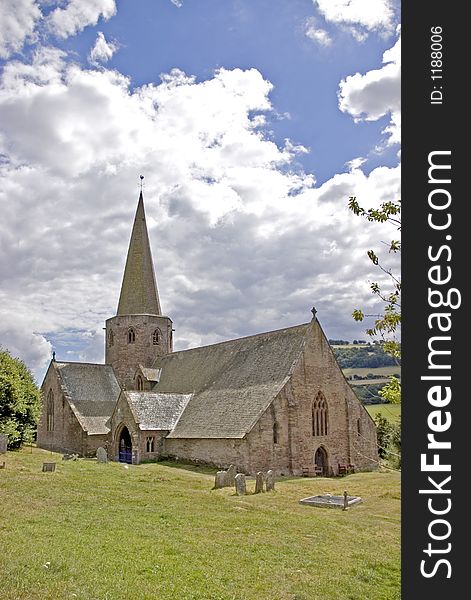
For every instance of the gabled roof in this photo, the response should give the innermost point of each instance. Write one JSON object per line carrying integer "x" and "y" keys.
{"x": 92, "y": 392}
{"x": 152, "y": 375}
{"x": 139, "y": 288}
{"x": 232, "y": 382}
{"x": 156, "y": 411}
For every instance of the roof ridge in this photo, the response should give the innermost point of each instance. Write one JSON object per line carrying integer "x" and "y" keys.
{"x": 245, "y": 337}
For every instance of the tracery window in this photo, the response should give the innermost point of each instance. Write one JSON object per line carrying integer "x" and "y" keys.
{"x": 156, "y": 337}
{"x": 319, "y": 415}
{"x": 150, "y": 444}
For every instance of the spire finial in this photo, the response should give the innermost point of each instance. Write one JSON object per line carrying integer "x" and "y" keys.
{"x": 314, "y": 311}
{"x": 142, "y": 181}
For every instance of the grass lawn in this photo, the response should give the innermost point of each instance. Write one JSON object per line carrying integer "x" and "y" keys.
{"x": 158, "y": 531}
{"x": 389, "y": 411}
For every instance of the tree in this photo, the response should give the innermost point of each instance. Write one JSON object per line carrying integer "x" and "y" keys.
{"x": 20, "y": 400}
{"x": 386, "y": 324}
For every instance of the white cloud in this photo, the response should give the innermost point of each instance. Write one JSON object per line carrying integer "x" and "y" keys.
{"x": 79, "y": 14}
{"x": 178, "y": 3}
{"x": 102, "y": 51}
{"x": 243, "y": 242}
{"x": 360, "y": 16}
{"x": 18, "y": 19}
{"x": 315, "y": 33}
{"x": 370, "y": 96}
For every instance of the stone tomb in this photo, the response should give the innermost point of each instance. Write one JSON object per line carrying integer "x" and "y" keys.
{"x": 3, "y": 443}
{"x": 328, "y": 501}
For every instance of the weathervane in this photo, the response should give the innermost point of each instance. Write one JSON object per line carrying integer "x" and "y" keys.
{"x": 142, "y": 181}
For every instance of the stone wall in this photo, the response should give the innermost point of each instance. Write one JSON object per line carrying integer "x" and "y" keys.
{"x": 125, "y": 357}
{"x": 216, "y": 452}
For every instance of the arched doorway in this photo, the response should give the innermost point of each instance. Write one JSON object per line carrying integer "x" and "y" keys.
{"x": 125, "y": 446}
{"x": 320, "y": 461}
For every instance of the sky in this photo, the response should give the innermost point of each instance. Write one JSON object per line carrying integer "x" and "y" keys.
{"x": 252, "y": 121}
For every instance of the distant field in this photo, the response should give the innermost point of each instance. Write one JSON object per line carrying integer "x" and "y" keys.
{"x": 391, "y": 412}
{"x": 368, "y": 381}
{"x": 159, "y": 531}
{"x": 363, "y": 371}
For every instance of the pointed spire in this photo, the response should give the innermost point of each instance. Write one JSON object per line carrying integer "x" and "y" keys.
{"x": 139, "y": 289}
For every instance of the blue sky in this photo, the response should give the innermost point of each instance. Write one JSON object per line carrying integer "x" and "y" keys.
{"x": 252, "y": 121}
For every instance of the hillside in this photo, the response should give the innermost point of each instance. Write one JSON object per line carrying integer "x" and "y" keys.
{"x": 367, "y": 367}
{"x": 94, "y": 531}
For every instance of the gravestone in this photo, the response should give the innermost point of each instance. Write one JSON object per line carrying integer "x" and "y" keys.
{"x": 2, "y": 465}
{"x": 230, "y": 476}
{"x": 49, "y": 467}
{"x": 220, "y": 479}
{"x": 239, "y": 481}
{"x": 3, "y": 443}
{"x": 101, "y": 455}
{"x": 70, "y": 457}
{"x": 270, "y": 480}
{"x": 259, "y": 482}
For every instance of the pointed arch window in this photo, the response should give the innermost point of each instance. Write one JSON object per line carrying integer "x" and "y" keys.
{"x": 140, "y": 383}
{"x": 276, "y": 433}
{"x": 156, "y": 337}
{"x": 110, "y": 338}
{"x": 319, "y": 415}
{"x": 131, "y": 336}
{"x": 50, "y": 411}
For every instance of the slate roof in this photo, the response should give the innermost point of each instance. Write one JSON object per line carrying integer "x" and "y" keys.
{"x": 92, "y": 391}
{"x": 156, "y": 411}
{"x": 232, "y": 382}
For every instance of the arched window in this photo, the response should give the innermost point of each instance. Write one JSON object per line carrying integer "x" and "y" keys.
{"x": 156, "y": 337}
{"x": 276, "y": 433}
{"x": 110, "y": 338}
{"x": 150, "y": 444}
{"x": 140, "y": 383}
{"x": 131, "y": 336}
{"x": 50, "y": 411}
{"x": 319, "y": 415}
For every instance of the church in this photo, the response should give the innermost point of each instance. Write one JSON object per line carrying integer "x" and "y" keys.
{"x": 276, "y": 400}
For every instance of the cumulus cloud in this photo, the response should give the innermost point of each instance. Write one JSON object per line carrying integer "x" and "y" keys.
{"x": 315, "y": 33}
{"x": 102, "y": 51}
{"x": 18, "y": 19}
{"x": 360, "y": 16}
{"x": 370, "y": 96}
{"x": 243, "y": 240}
{"x": 78, "y": 14}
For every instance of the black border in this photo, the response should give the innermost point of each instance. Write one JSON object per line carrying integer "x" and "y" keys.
{"x": 427, "y": 128}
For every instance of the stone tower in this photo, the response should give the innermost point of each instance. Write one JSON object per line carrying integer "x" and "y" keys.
{"x": 139, "y": 333}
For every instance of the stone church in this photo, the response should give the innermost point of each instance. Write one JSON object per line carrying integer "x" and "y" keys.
{"x": 273, "y": 400}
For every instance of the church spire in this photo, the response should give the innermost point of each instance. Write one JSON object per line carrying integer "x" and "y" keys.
{"x": 139, "y": 293}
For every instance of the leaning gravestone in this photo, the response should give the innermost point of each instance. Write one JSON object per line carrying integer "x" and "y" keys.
{"x": 101, "y": 455}
{"x": 259, "y": 482}
{"x": 239, "y": 480}
{"x": 230, "y": 476}
{"x": 220, "y": 480}
{"x": 3, "y": 443}
{"x": 270, "y": 481}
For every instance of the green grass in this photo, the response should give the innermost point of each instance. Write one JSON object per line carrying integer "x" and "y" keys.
{"x": 389, "y": 411}
{"x": 158, "y": 531}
